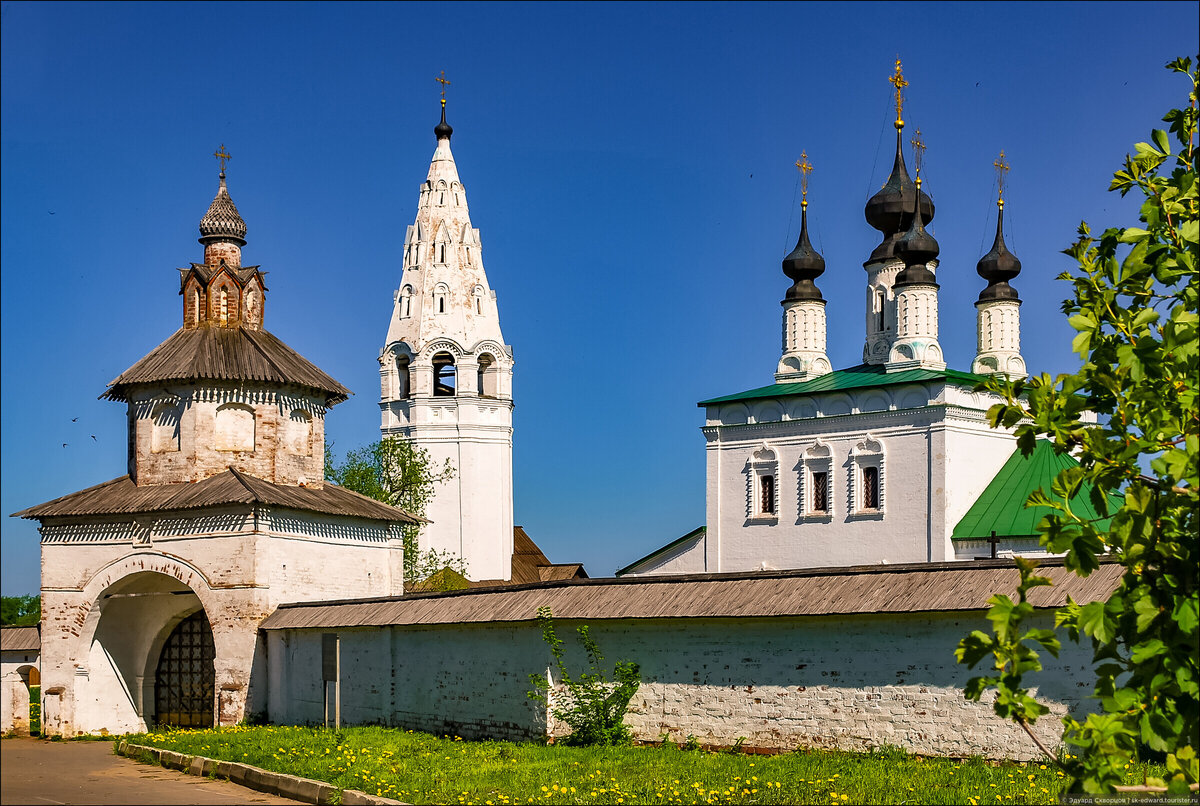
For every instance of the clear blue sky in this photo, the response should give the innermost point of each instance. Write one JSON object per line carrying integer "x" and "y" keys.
{"x": 629, "y": 166}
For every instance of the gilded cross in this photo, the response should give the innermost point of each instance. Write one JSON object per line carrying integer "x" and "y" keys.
{"x": 897, "y": 81}
{"x": 442, "y": 80}
{"x": 918, "y": 151}
{"x": 222, "y": 155}
{"x": 1001, "y": 169}
{"x": 805, "y": 169}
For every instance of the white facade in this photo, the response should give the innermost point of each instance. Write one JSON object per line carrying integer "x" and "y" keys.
{"x": 446, "y": 376}
{"x": 113, "y": 590}
{"x": 927, "y": 444}
{"x": 19, "y": 670}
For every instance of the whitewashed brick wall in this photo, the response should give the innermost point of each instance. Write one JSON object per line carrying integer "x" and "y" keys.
{"x": 847, "y": 682}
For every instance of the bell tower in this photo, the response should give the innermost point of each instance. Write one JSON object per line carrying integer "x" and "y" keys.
{"x": 446, "y": 373}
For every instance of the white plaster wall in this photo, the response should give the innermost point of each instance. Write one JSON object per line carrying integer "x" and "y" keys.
{"x": 846, "y": 682}
{"x": 938, "y": 455}
{"x": 686, "y": 558}
{"x": 14, "y": 694}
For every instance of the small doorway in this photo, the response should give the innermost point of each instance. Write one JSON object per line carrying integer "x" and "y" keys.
{"x": 185, "y": 679}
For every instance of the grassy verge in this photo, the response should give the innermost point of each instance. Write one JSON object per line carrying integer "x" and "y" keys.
{"x": 420, "y": 768}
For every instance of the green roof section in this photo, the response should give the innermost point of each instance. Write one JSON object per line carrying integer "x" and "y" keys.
{"x": 861, "y": 377}
{"x": 1001, "y": 507}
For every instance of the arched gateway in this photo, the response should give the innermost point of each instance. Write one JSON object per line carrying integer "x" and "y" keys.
{"x": 154, "y": 583}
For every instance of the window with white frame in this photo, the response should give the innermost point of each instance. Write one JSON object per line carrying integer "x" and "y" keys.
{"x": 816, "y": 482}
{"x": 762, "y": 487}
{"x": 867, "y": 477}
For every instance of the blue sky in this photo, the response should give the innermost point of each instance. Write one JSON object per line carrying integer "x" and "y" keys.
{"x": 630, "y": 168}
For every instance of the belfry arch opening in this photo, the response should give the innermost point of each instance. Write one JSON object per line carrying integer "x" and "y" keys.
{"x": 143, "y": 665}
{"x": 489, "y": 378}
{"x": 444, "y": 375}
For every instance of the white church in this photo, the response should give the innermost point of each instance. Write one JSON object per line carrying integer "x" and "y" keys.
{"x": 889, "y": 461}
{"x": 847, "y": 515}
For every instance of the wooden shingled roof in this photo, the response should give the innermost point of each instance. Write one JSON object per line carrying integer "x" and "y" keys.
{"x": 122, "y": 496}
{"x": 20, "y": 639}
{"x": 913, "y": 588}
{"x": 226, "y": 354}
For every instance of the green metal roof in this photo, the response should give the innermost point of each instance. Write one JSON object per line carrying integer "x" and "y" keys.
{"x": 860, "y": 377}
{"x": 1001, "y": 507}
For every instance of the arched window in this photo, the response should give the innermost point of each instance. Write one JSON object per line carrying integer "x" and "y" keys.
{"x": 879, "y": 311}
{"x": 402, "y": 376}
{"x": 443, "y": 375}
{"x": 234, "y": 429}
{"x": 439, "y": 297}
{"x": 252, "y": 311}
{"x": 767, "y": 495}
{"x": 867, "y": 478}
{"x": 441, "y": 258}
{"x": 406, "y": 302}
{"x": 488, "y": 380}
{"x": 816, "y": 488}
{"x": 478, "y": 294}
{"x": 299, "y": 433}
{"x": 164, "y": 428}
{"x": 762, "y": 490}
{"x": 197, "y": 307}
{"x": 224, "y": 306}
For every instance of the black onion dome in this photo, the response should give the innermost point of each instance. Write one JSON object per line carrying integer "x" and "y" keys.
{"x": 222, "y": 221}
{"x": 998, "y": 267}
{"x": 803, "y": 265}
{"x": 890, "y": 209}
{"x": 916, "y": 249}
{"x": 443, "y": 129}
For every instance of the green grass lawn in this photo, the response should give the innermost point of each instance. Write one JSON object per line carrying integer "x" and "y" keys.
{"x": 420, "y": 768}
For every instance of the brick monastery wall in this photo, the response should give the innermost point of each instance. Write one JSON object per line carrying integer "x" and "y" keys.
{"x": 850, "y": 683}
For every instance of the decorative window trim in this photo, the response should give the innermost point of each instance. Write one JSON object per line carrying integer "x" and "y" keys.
{"x": 818, "y": 458}
{"x": 867, "y": 453}
{"x": 763, "y": 463}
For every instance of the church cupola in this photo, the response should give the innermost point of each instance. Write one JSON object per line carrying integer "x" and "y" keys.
{"x": 998, "y": 308}
{"x": 890, "y": 211}
{"x": 916, "y": 293}
{"x": 804, "y": 354}
{"x": 220, "y": 291}
{"x": 222, "y": 230}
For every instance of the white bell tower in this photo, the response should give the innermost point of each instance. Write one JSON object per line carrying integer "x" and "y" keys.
{"x": 446, "y": 374}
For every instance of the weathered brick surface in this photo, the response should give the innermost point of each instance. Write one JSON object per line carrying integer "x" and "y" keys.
{"x": 850, "y": 683}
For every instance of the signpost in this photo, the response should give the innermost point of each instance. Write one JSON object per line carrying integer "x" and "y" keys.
{"x": 331, "y": 672}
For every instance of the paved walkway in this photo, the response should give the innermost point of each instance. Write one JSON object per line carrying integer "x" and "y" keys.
{"x": 37, "y": 772}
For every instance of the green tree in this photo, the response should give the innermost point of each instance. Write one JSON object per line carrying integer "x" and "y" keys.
{"x": 1135, "y": 309}
{"x": 399, "y": 473}
{"x": 591, "y": 705}
{"x": 20, "y": 611}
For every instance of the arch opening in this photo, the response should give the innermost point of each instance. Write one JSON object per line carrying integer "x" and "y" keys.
{"x": 444, "y": 375}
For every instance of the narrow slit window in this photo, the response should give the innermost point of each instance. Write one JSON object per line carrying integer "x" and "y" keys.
{"x": 870, "y": 479}
{"x": 820, "y": 492}
{"x": 768, "y": 495}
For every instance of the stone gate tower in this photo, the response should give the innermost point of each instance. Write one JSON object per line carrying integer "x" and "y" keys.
{"x": 446, "y": 374}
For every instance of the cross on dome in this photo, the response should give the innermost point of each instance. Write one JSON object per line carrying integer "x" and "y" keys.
{"x": 222, "y": 155}
{"x": 1001, "y": 174}
{"x": 897, "y": 81}
{"x": 805, "y": 169}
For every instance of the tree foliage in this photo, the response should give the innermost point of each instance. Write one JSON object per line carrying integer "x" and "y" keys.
{"x": 1134, "y": 307}
{"x": 20, "y": 611}
{"x": 399, "y": 473}
{"x": 593, "y": 706}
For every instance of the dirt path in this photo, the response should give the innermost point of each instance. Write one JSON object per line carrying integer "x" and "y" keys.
{"x": 38, "y": 772}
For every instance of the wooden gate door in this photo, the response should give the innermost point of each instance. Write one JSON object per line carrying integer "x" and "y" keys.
{"x": 185, "y": 679}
